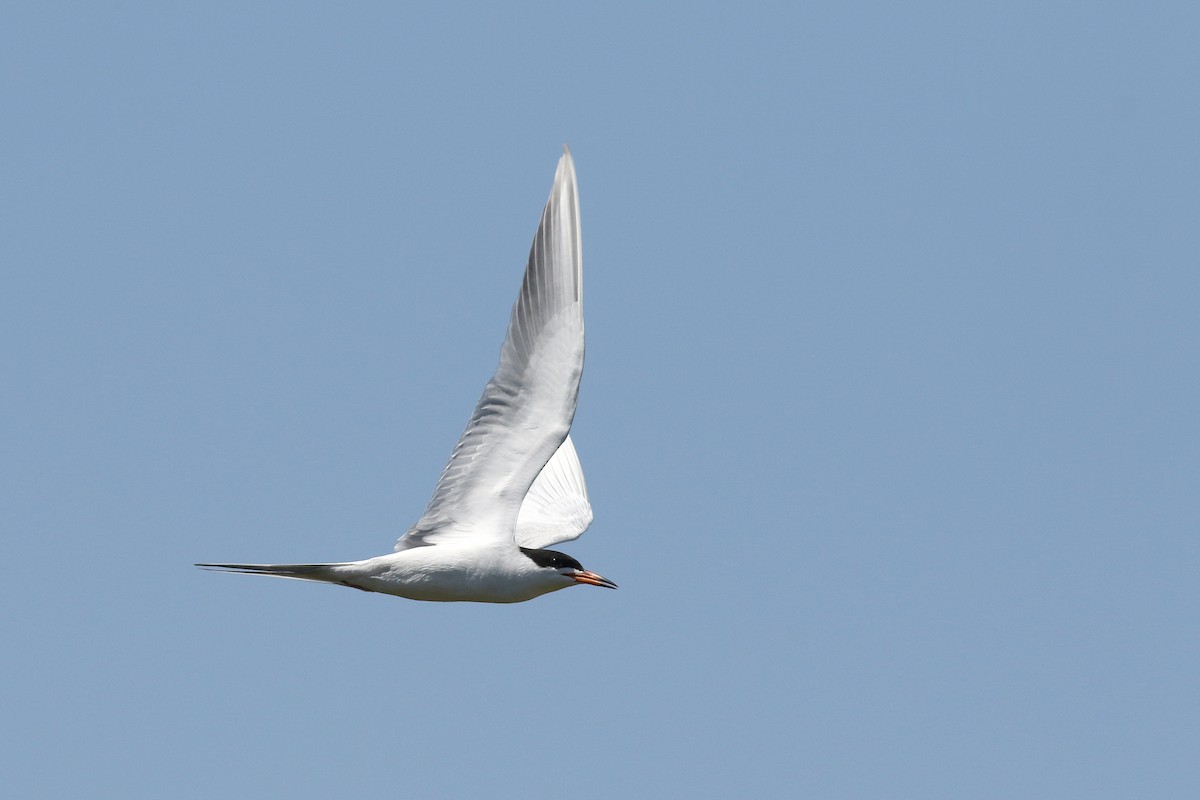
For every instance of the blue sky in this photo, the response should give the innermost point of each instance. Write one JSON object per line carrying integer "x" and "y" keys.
{"x": 889, "y": 415}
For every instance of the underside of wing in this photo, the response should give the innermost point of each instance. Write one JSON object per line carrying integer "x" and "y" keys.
{"x": 556, "y": 508}
{"x": 527, "y": 407}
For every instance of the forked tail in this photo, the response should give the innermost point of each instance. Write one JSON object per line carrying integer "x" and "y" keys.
{"x": 300, "y": 572}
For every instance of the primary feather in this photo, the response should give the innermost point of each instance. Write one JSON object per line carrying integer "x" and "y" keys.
{"x": 556, "y": 509}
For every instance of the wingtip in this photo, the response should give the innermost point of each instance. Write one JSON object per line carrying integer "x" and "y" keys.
{"x": 565, "y": 174}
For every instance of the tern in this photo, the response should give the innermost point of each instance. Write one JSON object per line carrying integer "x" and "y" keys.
{"x": 513, "y": 485}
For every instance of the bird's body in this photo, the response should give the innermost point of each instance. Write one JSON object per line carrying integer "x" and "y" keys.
{"x": 464, "y": 572}
{"x": 513, "y": 484}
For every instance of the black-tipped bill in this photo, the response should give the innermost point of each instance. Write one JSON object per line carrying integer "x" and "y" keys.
{"x": 592, "y": 579}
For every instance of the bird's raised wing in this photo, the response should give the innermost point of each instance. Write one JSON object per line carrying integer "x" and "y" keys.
{"x": 556, "y": 509}
{"x": 527, "y": 407}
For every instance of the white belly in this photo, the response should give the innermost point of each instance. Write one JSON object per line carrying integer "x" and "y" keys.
{"x": 446, "y": 573}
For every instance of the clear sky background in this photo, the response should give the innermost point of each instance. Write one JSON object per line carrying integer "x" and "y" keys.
{"x": 889, "y": 416}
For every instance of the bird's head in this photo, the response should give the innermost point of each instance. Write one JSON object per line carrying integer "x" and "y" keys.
{"x": 552, "y": 561}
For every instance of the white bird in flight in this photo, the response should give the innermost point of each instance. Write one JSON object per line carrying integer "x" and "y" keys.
{"x": 513, "y": 485}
